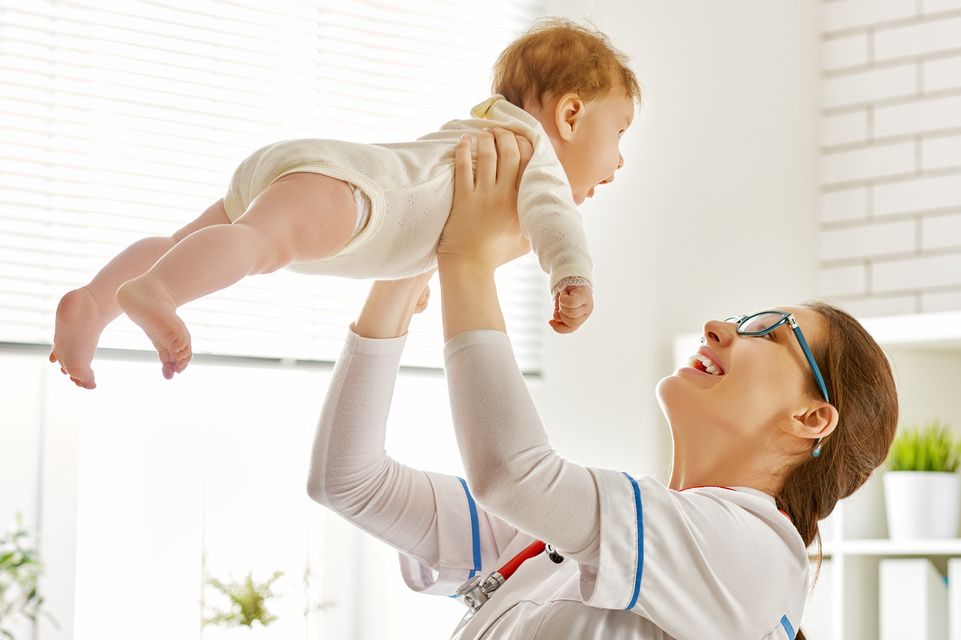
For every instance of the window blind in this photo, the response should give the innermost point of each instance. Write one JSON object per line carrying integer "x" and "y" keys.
{"x": 120, "y": 120}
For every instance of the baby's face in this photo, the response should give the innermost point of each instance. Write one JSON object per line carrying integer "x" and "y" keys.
{"x": 592, "y": 154}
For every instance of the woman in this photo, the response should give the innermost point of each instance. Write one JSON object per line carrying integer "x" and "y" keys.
{"x": 772, "y": 425}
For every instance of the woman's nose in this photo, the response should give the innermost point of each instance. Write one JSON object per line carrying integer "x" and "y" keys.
{"x": 719, "y": 332}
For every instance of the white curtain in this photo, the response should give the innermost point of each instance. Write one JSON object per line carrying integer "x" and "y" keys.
{"x": 120, "y": 120}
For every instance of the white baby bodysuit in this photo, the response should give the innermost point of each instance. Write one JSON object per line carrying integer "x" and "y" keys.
{"x": 411, "y": 185}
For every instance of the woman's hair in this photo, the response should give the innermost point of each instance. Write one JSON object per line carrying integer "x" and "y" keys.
{"x": 558, "y": 56}
{"x": 861, "y": 387}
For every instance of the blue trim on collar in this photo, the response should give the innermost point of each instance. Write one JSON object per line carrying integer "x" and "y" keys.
{"x": 787, "y": 627}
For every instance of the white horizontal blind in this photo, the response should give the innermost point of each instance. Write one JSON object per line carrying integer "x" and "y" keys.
{"x": 124, "y": 119}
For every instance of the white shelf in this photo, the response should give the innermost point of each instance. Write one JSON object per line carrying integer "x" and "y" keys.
{"x": 883, "y": 547}
{"x": 941, "y": 329}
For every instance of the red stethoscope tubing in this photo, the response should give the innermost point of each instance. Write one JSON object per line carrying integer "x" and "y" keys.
{"x": 529, "y": 552}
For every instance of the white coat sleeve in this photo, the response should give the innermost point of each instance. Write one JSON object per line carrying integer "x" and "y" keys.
{"x": 694, "y": 565}
{"x": 431, "y": 518}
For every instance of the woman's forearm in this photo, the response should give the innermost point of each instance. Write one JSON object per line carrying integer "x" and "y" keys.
{"x": 512, "y": 469}
{"x": 390, "y": 307}
{"x": 350, "y": 471}
{"x": 468, "y": 297}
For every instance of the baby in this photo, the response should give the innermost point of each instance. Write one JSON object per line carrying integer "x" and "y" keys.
{"x": 377, "y": 210}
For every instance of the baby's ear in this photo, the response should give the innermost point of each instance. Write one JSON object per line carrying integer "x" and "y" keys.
{"x": 567, "y": 114}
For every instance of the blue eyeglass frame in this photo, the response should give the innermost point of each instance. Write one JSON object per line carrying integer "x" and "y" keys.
{"x": 792, "y": 321}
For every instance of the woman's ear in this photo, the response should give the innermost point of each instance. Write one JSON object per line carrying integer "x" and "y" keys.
{"x": 816, "y": 421}
{"x": 568, "y": 114}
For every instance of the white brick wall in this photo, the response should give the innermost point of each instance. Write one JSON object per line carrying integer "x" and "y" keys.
{"x": 890, "y": 239}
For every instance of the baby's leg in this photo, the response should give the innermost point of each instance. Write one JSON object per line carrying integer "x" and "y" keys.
{"x": 300, "y": 217}
{"x": 83, "y": 313}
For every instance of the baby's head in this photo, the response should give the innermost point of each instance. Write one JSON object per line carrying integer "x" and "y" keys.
{"x": 582, "y": 91}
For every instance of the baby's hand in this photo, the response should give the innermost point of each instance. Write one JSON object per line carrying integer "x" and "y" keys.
{"x": 572, "y": 307}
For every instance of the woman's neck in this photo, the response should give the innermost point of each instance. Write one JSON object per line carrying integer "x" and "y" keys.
{"x": 713, "y": 464}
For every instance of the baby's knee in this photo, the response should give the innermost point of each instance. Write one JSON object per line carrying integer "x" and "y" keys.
{"x": 271, "y": 251}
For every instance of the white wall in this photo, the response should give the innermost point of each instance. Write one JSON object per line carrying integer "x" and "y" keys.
{"x": 891, "y": 135}
{"x": 714, "y": 212}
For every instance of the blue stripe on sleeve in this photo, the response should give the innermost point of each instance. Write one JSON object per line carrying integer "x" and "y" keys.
{"x": 474, "y": 529}
{"x": 787, "y": 627}
{"x": 640, "y": 541}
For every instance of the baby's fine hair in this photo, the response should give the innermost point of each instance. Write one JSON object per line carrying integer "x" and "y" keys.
{"x": 558, "y": 56}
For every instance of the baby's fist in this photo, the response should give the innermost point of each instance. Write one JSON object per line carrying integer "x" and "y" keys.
{"x": 572, "y": 307}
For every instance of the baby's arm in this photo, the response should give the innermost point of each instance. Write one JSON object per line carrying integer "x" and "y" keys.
{"x": 553, "y": 225}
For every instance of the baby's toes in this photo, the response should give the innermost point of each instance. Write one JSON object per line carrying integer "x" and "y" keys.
{"x": 168, "y": 363}
{"x": 181, "y": 364}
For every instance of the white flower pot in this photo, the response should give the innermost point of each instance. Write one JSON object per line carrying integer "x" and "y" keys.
{"x": 922, "y": 504}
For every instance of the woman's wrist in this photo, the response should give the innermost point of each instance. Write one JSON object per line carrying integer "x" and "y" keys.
{"x": 389, "y": 308}
{"x": 468, "y": 296}
{"x": 464, "y": 266}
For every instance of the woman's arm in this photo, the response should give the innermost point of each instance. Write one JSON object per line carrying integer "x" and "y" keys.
{"x": 391, "y": 305}
{"x": 511, "y": 468}
{"x": 349, "y": 470}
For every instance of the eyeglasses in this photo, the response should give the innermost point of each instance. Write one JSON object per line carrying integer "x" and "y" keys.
{"x": 764, "y": 322}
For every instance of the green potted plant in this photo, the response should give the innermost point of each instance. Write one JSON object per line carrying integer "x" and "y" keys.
{"x": 244, "y": 603}
{"x": 20, "y": 571}
{"x": 922, "y": 488}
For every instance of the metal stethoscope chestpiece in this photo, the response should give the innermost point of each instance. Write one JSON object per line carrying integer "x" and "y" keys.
{"x": 477, "y": 591}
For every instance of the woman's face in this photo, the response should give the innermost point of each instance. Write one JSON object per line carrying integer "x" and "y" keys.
{"x": 761, "y": 384}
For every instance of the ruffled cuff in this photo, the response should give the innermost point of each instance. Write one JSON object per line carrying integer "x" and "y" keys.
{"x": 571, "y": 281}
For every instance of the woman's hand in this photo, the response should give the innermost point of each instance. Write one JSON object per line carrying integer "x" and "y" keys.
{"x": 482, "y": 232}
{"x": 390, "y": 306}
{"x": 483, "y": 228}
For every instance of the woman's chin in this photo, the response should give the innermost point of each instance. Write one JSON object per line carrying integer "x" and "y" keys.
{"x": 668, "y": 388}
{"x": 679, "y": 389}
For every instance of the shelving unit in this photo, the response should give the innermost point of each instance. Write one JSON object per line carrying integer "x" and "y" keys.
{"x": 925, "y": 353}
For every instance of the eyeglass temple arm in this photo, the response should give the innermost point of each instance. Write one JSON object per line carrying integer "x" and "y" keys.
{"x": 810, "y": 358}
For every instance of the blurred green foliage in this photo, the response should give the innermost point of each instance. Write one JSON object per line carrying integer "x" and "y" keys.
{"x": 931, "y": 448}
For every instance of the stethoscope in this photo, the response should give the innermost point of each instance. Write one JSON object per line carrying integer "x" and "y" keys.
{"x": 477, "y": 591}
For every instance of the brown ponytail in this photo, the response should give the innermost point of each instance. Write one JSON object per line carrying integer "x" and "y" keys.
{"x": 861, "y": 386}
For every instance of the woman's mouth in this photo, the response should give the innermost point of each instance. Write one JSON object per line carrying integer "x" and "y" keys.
{"x": 700, "y": 361}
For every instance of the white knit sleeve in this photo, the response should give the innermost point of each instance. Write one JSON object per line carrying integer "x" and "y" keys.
{"x": 511, "y": 467}
{"x": 552, "y": 223}
{"x": 431, "y": 518}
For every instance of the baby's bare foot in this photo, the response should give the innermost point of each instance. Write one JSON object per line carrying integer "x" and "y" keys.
{"x": 150, "y": 306}
{"x": 78, "y": 327}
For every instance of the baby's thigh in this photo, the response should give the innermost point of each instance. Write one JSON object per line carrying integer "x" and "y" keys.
{"x": 308, "y": 215}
